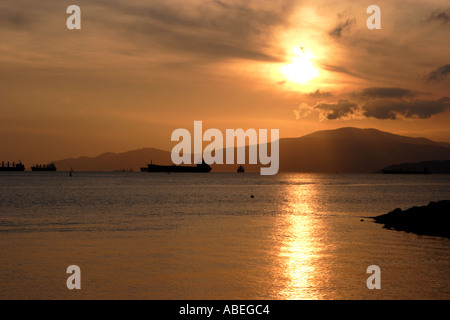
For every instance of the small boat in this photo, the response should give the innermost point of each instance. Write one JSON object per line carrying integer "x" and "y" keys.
{"x": 44, "y": 167}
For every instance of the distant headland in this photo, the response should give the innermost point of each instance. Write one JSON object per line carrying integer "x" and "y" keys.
{"x": 343, "y": 150}
{"x": 420, "y": 167}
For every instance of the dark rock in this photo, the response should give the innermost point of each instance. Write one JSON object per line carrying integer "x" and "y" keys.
{"x": 433, "y": 219}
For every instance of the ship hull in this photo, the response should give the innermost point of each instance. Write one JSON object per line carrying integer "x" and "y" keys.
{"x": 12, "y": 169}
{"x": 42, "y": 169}
{"x": 174, "y": 168}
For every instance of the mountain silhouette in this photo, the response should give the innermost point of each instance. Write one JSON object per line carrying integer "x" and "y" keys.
{"x": 355, "y": 150}
{"x": 115, "y": 161}
{"x": 342, "y": 150}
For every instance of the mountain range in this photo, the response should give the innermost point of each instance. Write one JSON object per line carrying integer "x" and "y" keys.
{"x": 341, "y": 150}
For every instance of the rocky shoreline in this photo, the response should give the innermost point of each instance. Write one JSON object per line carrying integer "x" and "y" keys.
{"x": 432, "y": 219}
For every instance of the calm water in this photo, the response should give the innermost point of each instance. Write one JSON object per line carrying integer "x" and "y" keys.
{"x": 201, "y": 236}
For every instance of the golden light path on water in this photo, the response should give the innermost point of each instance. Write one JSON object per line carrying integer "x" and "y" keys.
{"x": 301, "y": 248}
{"x": 202, "y": 238}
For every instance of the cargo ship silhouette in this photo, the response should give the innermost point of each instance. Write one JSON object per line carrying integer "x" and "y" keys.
{"x": 13, "y": 167}
{"x": 40, "y": 167}
{"x": 201, "y": 168}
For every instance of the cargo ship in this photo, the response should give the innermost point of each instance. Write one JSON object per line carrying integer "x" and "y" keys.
{"x": 12, "y": 167}
{"x": 200, "y": 168}
{"x": 44, "y": 167}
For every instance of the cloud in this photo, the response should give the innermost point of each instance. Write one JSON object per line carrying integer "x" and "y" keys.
{"x": 376, "y": 102}
{"x": 440, "y": 16}
{"x": 327, "y": 111}
{"x": 215, "y": 29}
{"x": 391, "y": 109}
{"x": 439, "y": 74}
{"x": 303, "y": 110}
{"x": 14, "y": 17}
{"x": 15, "y": 20}
{"x": 337, "y": 110}
{"x": 340, "y": 69}
{"x": 320, "y": 94}
{"x": 380, "y": 92}
{"x": 337, "y": 32}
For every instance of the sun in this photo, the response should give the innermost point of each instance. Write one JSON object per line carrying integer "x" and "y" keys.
{"x": 302, "y": 69}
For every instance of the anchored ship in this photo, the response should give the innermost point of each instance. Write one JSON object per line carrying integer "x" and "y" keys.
{"x": 44, "y": 167}
{"x": 203, "y": 167}
{"x": 12, "y": 167}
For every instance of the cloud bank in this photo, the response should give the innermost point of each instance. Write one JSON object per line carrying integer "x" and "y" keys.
{"x": 442, "y": 16}
{"x": 337, "y": 110}
{"x": 439, "y": 74}
{"x": 215, "y": 29}
{"x": 378, "y": 103}
{"x": 392, "y": 109}
{"x": 379, "y": 92}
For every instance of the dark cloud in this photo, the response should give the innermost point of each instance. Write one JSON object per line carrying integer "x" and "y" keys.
{"x": 439, "y": 74}
{"x": 391, "y": 109}
{"x": 382, "y": 103}
{"x": 337, "y": 110}
{"x": 18, "y": 18}
{"x": 440, "y": 16}
{"x": 13, "y": 20}
{"x": 380, "y": 92}
{"x": 337, "y": 32}
{"x": 320, "y": 94}
{"x": 214, "y": 29}
{"x": 340, "y": 69}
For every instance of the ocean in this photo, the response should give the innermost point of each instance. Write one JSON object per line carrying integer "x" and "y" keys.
{"x": 203, "y": 236}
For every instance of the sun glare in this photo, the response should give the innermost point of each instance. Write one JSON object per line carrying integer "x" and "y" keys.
{"x": 301, "y": 70}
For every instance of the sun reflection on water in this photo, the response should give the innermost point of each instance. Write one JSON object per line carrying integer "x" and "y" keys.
{"x": 301, "y": 245}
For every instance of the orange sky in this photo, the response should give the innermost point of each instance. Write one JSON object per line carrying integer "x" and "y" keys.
{"x": 137, "y": 70}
